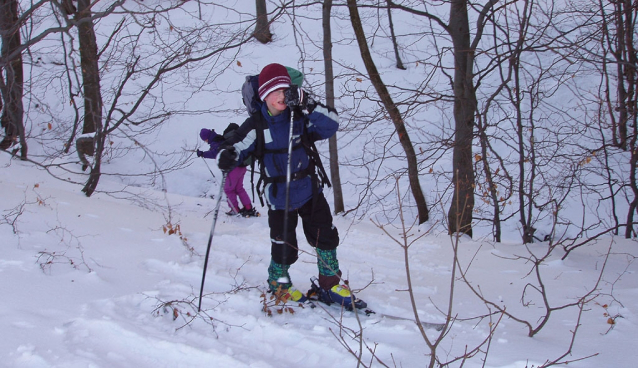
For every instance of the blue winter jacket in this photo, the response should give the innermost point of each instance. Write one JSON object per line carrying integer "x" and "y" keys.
{"x": 321, "y": 123}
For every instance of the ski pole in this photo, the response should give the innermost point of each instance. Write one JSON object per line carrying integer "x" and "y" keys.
{"x": 210, "y": 237}
{"x": 288, "y": 178}
{"x": 211, "y": 171}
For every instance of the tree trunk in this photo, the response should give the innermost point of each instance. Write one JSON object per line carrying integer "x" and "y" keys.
{"x": 462, "y": 206}
{"x": 394, "y": 39}
{"x": 94, "y": 176}
{"x": 393, "y": 111}
{"x": 12, "y": 82}
{"x": 262, "y": 28}
{"x": 335, "y": 178}
{"x": 91, "y": 82}
{"x": 633, "y": 205}
{"x": 625, "y": 69}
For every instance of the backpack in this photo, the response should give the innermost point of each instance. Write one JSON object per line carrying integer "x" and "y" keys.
{"x": 249, "y": 94}
{"x": 229, "y": 132}
{"x": 250, "y": 97}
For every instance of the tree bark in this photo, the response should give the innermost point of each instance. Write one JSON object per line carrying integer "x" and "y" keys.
{"x": 462, "y": 206}
{"x": 262, "y": 28}
{"x": 393, "y": 111}
{"x": 13, "y": 80}
{"x": 91, "y": 82}
{"x": 394, "y": 39}
{"x": 335, "y": 178}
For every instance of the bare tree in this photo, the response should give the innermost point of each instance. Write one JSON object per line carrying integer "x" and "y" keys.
{"x": 464, "y": 109}
{"x": 262, "y": 28}
{"x": 121, "y": 84}
{"x": 394, "y": 40}
{"x": 619, "y": 39}
{"x": 91, "y": 81}
{"x": 464, "y": 48}
{"x": 11, "y": 83}
{"x": 137, "y": 104}
{"x": 392, "y": 110}
{"x": 604, "y": 48}
{"x": 335, "y": 178}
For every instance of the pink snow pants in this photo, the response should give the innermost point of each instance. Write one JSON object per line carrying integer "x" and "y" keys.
{"x": 234, "y": 188}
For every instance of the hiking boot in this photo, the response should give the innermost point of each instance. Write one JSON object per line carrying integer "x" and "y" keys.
{"x": 249, "y": 213}
{"x": 339, "y": 294}
{"x": 290, "y": 295}
{"x": 232, "y": 213}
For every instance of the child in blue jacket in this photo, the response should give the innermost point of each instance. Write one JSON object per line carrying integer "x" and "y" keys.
{"x": 306, "y": 199}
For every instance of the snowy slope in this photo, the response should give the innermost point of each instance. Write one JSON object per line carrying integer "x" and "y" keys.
{"x": 109, "y": 295}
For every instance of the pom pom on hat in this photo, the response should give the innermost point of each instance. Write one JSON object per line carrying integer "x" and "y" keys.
{"x": 272, "y": 78}
{"x": 204, "y": 134}
{"x": 208, "y": 135}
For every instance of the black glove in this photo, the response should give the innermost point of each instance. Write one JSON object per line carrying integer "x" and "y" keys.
{"x": 227, "y": 159}
{"x": 200, "y": 153}
{"x": 295, "y": 97}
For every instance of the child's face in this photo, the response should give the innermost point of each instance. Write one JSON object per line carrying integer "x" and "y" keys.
{"x": 275, "y": 102}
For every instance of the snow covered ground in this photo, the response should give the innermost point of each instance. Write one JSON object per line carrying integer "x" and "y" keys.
{"x": 97, "y": 282}
{"x": 105, "y": 282}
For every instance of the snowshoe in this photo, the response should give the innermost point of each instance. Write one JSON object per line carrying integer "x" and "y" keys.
{"x": 338, "y": 294}
{"x": 249, "y": 213}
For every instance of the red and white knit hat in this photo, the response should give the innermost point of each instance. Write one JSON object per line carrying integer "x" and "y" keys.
{"x": 272, "y": 78}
